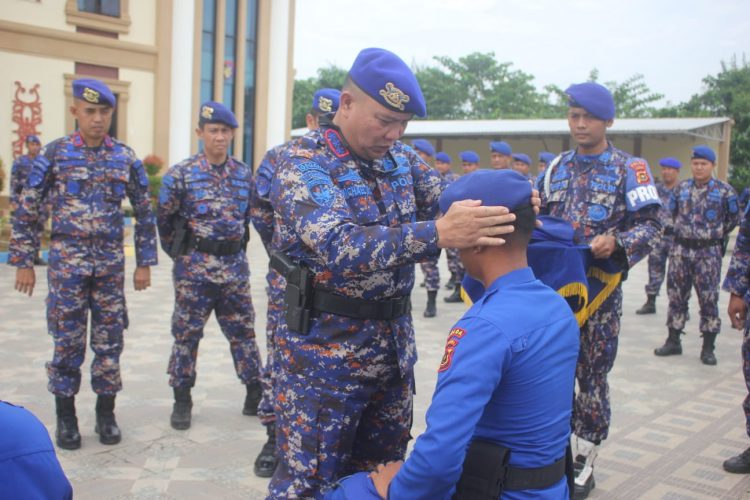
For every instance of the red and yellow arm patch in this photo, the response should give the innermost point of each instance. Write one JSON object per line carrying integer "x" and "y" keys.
{"x": 641, "y": 172}
{"x": 454, "y": 337}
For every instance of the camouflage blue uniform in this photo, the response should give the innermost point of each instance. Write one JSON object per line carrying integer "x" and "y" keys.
{"x": 455, "y": 266}
{"x": 703, "y": 216}
{"x": 19, "y": 173}
{"x": 85, "y": 187}
{"x": 612, "y": 193}
{"x": 737, "y": 282}
{"x": 215, "y": 202}
{"x": 344, "y": 391}
{"x": 657, "y": 259}
{"x": 430, "y": 268}
{"x": 261, "y": 213}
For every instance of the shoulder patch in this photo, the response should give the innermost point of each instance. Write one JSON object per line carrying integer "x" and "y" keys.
{"x": 641, "y": 171}
{"x": 38, "y": 171}
{"x": 733, "y": 205}
{"x": 140, "y": 172}
{"x": 318, "y": 181}
{"x": 335, "y": 143}
{"x": 454, "y": 337}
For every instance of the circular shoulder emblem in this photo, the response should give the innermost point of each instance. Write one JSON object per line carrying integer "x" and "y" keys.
{"x": 597, "y": 213}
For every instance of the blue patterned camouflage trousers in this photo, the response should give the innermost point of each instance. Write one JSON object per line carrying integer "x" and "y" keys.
{"x": 746, "y": 372}
{"x": 599, "y": 338}
{"x": 657, "y": 264}
{"x": 233, "y": 306}
{"x": 431, "y": 274}
{"x": 275, "y": 313}
{"x": 699, "y": 269}
{"x": 342, "y": 405}
{"x": 69, "y": 300}
{"x": 455, "y": 266}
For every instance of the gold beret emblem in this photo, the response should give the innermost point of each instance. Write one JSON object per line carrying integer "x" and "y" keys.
{"x": 90, "y": 95}
{"x": 394, "y": 96}
{"x": 207, "y": 112}
{"x": 325, "y": 104}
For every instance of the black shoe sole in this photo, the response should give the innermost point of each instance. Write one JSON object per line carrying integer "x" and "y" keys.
{"x": 179, "y": 426}
{"x": 68, "y": 446}
{"x": 107, "y": 440}
{"x": 264, "y": 473}
{"x": 249, "y": 412}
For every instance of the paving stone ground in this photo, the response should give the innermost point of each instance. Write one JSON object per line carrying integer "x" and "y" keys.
{"x": 674, "y": 420}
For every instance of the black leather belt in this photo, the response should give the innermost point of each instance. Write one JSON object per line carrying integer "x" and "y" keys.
{"x": 534, "y": 479}
{"x": 697, "y": 244}
{"x": 388, "y": 309}
{"x": 213, "y": 247}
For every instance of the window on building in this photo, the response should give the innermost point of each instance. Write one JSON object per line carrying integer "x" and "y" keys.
{"x": 230, "y": 52}
{"x": 103, "y": 7}
{"x": 251, "y": 30}
{"x": 208, "y": 44}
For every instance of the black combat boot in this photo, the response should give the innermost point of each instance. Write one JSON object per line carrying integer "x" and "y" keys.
{"x": 183, "y": 403}
{"x": 672, "y": 344}
{"x": 707, "y": 352}
{"x": 451, "y": 283}
{"x": 253, "y": 397}
{"x": 265, "y": 463}
{"x": 739, "y": 464}
{"x": 649, "y": 307}
{"x": 431, "y": 309}
{"x": 106, "y": 426}
{"x": 67, "y": 435}
{"x": 455, "y": 296}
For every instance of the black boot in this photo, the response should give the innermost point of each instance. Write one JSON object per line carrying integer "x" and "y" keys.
{"x": 455, "y": 296}
{"x": 431, "y": 309}
{"x": 183, "y": 403}
{"x": 649, "y": 307}
{"x": 265, "y": 463}
{"x": 67, "y": 435}
{"x": 672, "y": 344}
{"x": 739, "y": 464}
{"x": 707, "y": 352}
{"x": 106, "y": 426}
{"x": 252, "y": 399}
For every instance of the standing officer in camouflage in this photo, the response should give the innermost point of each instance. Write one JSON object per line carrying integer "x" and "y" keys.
{"x": 355, "y": 211}
{"x": 705, "y": 211}
{"x": 609, "y": 198}
{"x": 443, "y": 165}
{"x": 203, "y": 218}
{"x": 325, "y": 102}
{"x": 19, "y": 172}
{"x": 85, "y": 176}
{"x": 657, "y": 259}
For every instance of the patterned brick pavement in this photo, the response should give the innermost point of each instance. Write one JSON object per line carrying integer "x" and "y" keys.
{"x": 674, "y": 420}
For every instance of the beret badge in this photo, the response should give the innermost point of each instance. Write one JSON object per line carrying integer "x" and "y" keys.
{"x": 394, "y": 96}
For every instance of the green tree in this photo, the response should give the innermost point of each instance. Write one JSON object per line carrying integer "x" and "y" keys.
{"x": 329, "y": 77}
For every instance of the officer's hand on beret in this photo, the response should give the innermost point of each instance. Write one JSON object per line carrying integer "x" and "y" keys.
{"x": 25, "y": 280}
{"x": 142, "y": 278}
{"x": 603, "y": 246}
{"x": 383, "y": 476}
{"x": 737, "y": 311}
{"x": 468, "y": 224}
{"x": 536, "y": 202}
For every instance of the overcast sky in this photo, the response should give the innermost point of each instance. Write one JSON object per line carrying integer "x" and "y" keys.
{"x": 673, "y": 43}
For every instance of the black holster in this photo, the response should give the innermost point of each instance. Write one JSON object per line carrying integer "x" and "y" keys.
{"x": 180, "y": 238}
{"x": 298, "y": 297}
{"x": 485, "y": 466}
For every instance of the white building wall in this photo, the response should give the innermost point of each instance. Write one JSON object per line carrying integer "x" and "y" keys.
{"x": 180, "y": 121}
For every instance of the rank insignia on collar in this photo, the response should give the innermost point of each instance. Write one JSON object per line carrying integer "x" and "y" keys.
{"x": 325, "y": 104}
{"x": 394, "y": 96}
{"x": 90, "y": 95}
{"x": 207, "y": 112}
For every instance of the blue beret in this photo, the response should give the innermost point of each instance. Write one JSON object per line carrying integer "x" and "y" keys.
{"x": 33, "y": 138}
{"x": 424, "y": 146}
{"x": 594, "y": 98}
{"x": 215, "y": 112}
{"x": 704, "y": 152}
{"x": 546, "y": 156}
{"x": 501, "y": 147}
{"x": 469, "y": 156}
{"x": 93, "y": 91}
{"x": 505, "y": 188}
{"x": 386, "y": 78}
{"x": 522, "y": 157}
{"x": 443, "y": 157}
{"x": 670, "y": 162}
{"x": 326, "y": 100}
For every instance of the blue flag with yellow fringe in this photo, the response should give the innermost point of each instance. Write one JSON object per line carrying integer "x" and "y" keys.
{"x": 570, "y": 269}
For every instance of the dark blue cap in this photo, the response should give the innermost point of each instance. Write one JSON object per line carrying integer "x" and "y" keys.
{"x": 93, "y": 91}
{"x": 326, "y": 100}
{"x": 546, "y": 156}
{"x": 386, "y": 78}
{"x": 469, "y": 156}
{"x": 33, "y": 138}
{"x": 424, "y": 146}
{"x": 501, "y": 147}
{"x": 504, "y": 187}
{"x": 594, "y": 98}
{"x": 670, "y": 162}
{"x": 443, "y": 157}
{"x": 522, "y": 158}
{"x": 704, "y": 152}
{"x": 215, "y": 112}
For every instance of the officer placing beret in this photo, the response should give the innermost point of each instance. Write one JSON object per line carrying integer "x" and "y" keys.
{"x": 85, "y": 177}
{"x": 500, "y": 155}
{"x": 525, "y": 339}
{"x": 355, "y": 210}
{"x": 203, "y": 218}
